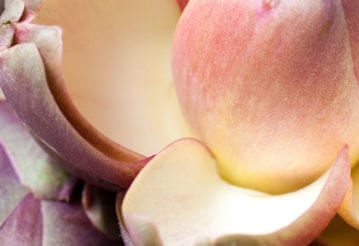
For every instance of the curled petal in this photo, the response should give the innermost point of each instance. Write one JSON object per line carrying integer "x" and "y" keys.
{"x": 179, "y": 199}
{"x": 116, "y": 70}
{"x": 23, "y": 80}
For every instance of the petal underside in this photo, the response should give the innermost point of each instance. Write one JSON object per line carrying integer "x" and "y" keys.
{"x": 116, "y": 68}
{"x": 179, "y": 199}
{"x": 23, "y": 80}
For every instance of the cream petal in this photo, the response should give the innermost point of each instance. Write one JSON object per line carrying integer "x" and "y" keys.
{"x": 117, "y": 67}
{"x": 23, "y": 80}
{"x": 180, "y": 199}
{"x": 13, "y": 11}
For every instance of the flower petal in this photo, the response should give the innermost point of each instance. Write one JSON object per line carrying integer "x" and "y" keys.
{"x": 31, "y": 9}
{"x": 11, "y": 191}
{"x": 36, "y": 168}
{"x": 6, "y": 36}
{"x": 23, "y": 80}
{"x": 67, "y": 224}
{"x": 99, "y": 206}
{"x": 351, "y": 9}
{"x": 180, "y": 199}
{"x": 12, "y": 12}
{"x": 349, "y": 210}
{"x": 116, "y": 67}
{"x": 24, "y": 226}
{"x": 269, "y": 87}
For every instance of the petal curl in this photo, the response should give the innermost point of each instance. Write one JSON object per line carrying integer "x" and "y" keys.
{"x": 23, "y": 80}
{"x": 116, "y": 68}
{"x": 179, "y": 199}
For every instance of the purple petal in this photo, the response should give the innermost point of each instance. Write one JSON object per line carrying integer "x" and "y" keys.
{"x": 11, "y": 191}
{"x": 66, "y": 224}
{"x": 24, "y": 225}
{"x": 36, "y": 168}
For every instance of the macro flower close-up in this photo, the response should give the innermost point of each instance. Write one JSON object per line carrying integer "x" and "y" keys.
{"x": 179, "y": 122}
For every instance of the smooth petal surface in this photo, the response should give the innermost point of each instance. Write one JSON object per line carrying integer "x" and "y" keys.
{"x": 11, "y": 191}
{"x": 24, "y": 226}
{"x": 117, "y": 67}
{"x": 351, "y": 9}
{"x": 67, "y": 224}
{"x": 23, "y": 80}
{"x": 49, "y": 43}
{"x": 36, "y": 168}
{"x": 269, "y": 87}
{"x": 179, "y": 199}
{"x": 99, "y": 206}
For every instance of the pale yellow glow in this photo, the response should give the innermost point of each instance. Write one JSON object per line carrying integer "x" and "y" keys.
{"x": 117, "y": 67}
{"x": 181, "y": 194}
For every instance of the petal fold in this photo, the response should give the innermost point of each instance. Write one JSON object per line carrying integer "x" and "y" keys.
{"x": 24, "y": 82}
{"x": 116, "y": 67}
{"x": 180, "y": 199}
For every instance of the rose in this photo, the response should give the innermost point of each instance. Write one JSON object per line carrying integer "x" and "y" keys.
{"x": 104, "y": 162}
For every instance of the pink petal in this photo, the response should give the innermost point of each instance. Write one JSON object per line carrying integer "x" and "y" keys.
{"x": 269, "y": 87}
{"x": 351, "y": 10}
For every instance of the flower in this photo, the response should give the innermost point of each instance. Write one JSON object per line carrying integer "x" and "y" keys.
{"x": 248, "y": 140}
